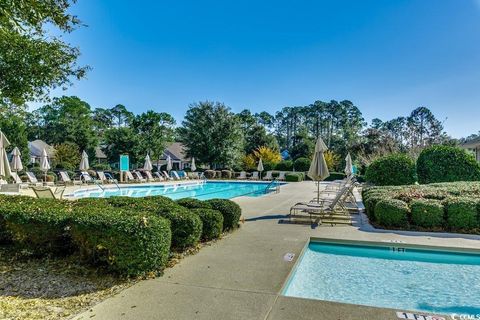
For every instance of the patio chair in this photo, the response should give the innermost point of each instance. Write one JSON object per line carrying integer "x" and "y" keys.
{"x": 254, "y": 176}
{"x": 268, "y": 176}
{"x": 9, "y": 187}
{"x": 47, "y": 193}
{"x": 129, "y": 177}
{"x": 150, "y": 177}
{"x": 106, "y": 177}
{"x": 65, "y": 179}
{"x": 159, "y": 176}
{"x": 139, "y": 176}
{"x": 175, "y": 175}
{"x": 281, "y": 176}
{"x": 87, "y": 178}
{"x": 183, "y": 175}
{"x": 33, "y": 180}
{"x": 19, "y": 181}
{"x": 167, "y": 176}
{"x": 242, "y": 176}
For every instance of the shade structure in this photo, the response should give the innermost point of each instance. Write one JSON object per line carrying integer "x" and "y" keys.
{"x": 16, "y": 164}
{"x": 318, "y": 168}
{"x": 169, "y": 163}
{"x": 148, "y": 164}
{"x": 5, "y": 171}
{"x": 192, "y": 166}
{"x": 348, "y": 165}
{"x": 44, "y": 165}
{"x": 84, "y": 165}
{"x": 260, "y": 165}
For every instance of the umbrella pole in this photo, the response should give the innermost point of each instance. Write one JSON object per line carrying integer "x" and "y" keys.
{"x": 318, "y": 191}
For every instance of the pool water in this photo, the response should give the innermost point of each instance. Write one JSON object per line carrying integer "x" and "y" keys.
{"x": 198, "y": 190}
{"x": 419, "y": 280}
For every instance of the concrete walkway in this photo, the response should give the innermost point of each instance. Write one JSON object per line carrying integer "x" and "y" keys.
{"x": 240, "y": 276}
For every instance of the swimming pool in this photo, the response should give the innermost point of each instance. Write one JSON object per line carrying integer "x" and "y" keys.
{"x": 199, "y": 190}
{"x": 406, "y": 278}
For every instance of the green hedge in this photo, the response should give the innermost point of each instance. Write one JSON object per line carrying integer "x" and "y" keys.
{"x": 335, "y": 176}
{"x": 192, "y": 203}
{"x": 294, "y": 177}
{"x": 284, "y": 165}
{"x": 446, "y": 164}
{"x": 462, "y": 213}
{"x": 212, "y": 221}
{"x": 301, "y": 164}
{"x": 230, "y": 210}
{"x": 427, "y": 213}
{"x": 392, "y": 213}
{"x": 391, "y": 170}
{"x": 128, "y": 242}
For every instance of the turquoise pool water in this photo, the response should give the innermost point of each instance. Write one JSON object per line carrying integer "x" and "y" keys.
{"x": 422, "y": 280}
{"x": 198, "y": 190}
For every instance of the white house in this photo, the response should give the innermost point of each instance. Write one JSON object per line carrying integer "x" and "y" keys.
{"x": 473, "y": 145}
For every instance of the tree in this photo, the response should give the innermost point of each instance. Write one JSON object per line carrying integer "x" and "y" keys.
{"x": 155, "y": 131}
{"x": 424, "y": 128}
{"x": 67, "y": 156}
{"x": 122, "y": 116}
{"x": 12, "y": 123}
{"x": 33, "y": 58}
{"x": 119, "y": 141}
{"x": 212, "y": 134}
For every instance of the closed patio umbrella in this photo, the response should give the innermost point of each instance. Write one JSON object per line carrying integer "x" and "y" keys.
{"x": 169, "y": 163}
{"x": 44, "y": 165}
{"x": 16, "y": 163}
{"x": 318, "y": 168}
{"x": 192, "y": 166}
{"x": 84, "y": 165}
{"x": 148, "y": 164}
{"x": 348, "y": 165}
{"x": 5, "y": 171}
{"x": 260, "y": 167}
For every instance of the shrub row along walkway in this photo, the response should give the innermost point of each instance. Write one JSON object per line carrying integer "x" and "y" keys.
{"x": 240, "y": 276}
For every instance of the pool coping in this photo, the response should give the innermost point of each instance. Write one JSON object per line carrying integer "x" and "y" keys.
{"x": 292, "y": 271}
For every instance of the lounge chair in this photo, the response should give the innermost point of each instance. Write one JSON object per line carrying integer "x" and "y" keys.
{"x": 33, "y": 180}
{"x": 150, "y": 178}
{"x": 129, "y": 177}
{"x": 139, "y": 177}
{"x": 268, "y": 176}
{"x": 65, "y": 179}
{"x": 47, "y": 193}
{"x": 167, "y": 176}
{"x": 254, "y": 176}
{"x": 9, "y": 187}
{"x": 281, "y": 176}
{"x": 183, "y": 175}
{"x": 159, "y": 176}
{"x": 87, "y": 178}
{"x": 175, "y": 175}
{"x": 19, "y": 181}
{"x": 242, "y": 176}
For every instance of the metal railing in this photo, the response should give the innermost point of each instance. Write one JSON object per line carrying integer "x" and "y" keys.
{"x": 274, "y": 183}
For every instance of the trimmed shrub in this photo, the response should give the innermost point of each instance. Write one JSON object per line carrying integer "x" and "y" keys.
{"x": 446, "y": 164}
{"x": 212, "y": 221}
{"x": 427, "y": 213}
{"x": 462, "y": 213}
{"x": 218, "y": 174}
{"x": 284, "y": 165}
{"x": 129, "y": 243}
{"x": 335, "y": 176}
{"x": 230, "y": 210}
{"x": 39, "y": 225}
{"x": 294, "y": 177}
{"x": 226, "y": 174}
{"x": 302, "y": 164}
{"x": 192, "y": 203}
{"x": 371, "y": 202}
{"x": 391, "y": 170}
{"x": 392, "y": 213}
{"x": 209, "y": 174}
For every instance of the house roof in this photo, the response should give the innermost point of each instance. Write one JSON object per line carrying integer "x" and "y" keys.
{"x": 36, "y": 149}
{"x": 176, "y": 152}
{"x": 472, "y": 144}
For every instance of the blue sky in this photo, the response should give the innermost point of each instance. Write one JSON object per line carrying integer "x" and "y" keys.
{"x": 387, "y": 56}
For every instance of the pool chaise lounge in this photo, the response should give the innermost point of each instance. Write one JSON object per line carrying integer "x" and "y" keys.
{"x": 47, "y": 193}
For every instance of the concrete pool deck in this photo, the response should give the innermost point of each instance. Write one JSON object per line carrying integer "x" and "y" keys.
{"x": 240, "y": 276}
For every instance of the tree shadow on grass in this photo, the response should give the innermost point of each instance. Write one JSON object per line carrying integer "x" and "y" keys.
{"x": 28, "y": 277}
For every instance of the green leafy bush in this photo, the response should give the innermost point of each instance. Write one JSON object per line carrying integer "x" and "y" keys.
{"x": 226, "y": 174}
{"x": 284, "y": 165}
{"x": 446, "y": 164}
{"x": 370, "y": 204}
{"x": 230, "y": 210}
{"x": 130, "y": 243}
{"x": 192, "y": 203}
{"x": 427, "y": 213}
{"x": 212, "y": 221}
{"x": 335, "y": 176}
{"x": 294, "y": 177}
{"x": 392, "y": 213}
{"x": 302, "y": 164}
{"x": 209, "y": 174}
{"x": 39, "y": 225}
{"x": 395, "y": 169}
{"x": 462, "y": 213}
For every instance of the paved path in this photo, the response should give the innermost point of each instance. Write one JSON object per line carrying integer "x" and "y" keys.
{"x": 240, "y": 276}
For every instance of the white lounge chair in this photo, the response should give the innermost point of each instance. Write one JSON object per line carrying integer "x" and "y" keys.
{"x": 106, "y": 177}
{"x": 150, "y": 178}
{"x": 47, "y": 193}
{"x": 19, "y": 181}
{"x": 167, "y": 176}
{"x": 281, "y": 176}
{"x": 33, "y": 180}
{"x": 242, "y": 176}
{"x": 175, "y": 175}
{"x": 254, "y": 176}
{"x": 64, "y": 177}
{"x": 87, "y": 178}
{"x": 268, "y": 176}
{"x": 159, "y": 176}
{"x": 139, "y": 176}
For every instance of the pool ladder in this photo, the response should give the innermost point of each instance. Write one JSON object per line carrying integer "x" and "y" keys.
{"x": 273, "y": 185}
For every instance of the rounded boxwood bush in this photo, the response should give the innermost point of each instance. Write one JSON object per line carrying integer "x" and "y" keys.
{"x": 192, "y": 203}
{"x": 302, "y": 164}
{"x": 230, "y": 210}
{"x": 462, "y": 213}
{"x": 371, "y": 201}
{"x": 284, "y": 165}
{"x": 212, "y": 223}
{"x": 427, "y": 213}
{"x": 226, "y": 174}
{"x": 209, "y": 174}
{"x": 294, "y": 177}
{"x": 391, "y": 170}
{"x": 186, "y": 226}
{"x": 392, "y": 213}
{"x": 446, "y": 164}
